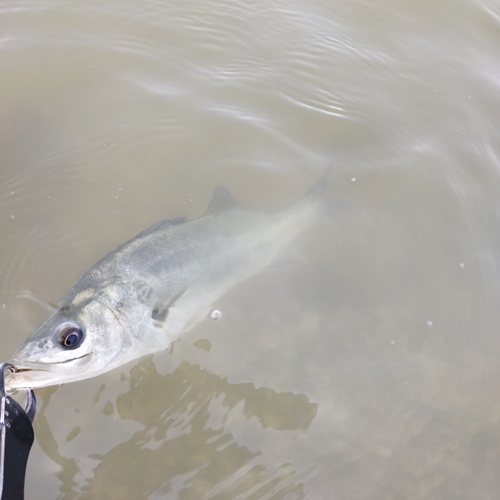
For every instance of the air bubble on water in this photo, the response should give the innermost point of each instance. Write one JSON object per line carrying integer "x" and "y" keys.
{"x": 429, "y": 323}
{"x": 392, "y": 341}
{"x": 216, "y": 314}
{"x": 462, "y": 265}
{"x": 353, "y": 179}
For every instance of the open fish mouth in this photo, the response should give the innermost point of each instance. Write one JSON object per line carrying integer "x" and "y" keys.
{"x": 27, "y": 366}
{"x": 36, "y": 375}
{"x": 48, "y": 363}
{"x": 31, "y": 378}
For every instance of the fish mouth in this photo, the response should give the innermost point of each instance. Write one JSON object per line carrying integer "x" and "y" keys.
{"x": 28, "y": 375}
{"x": 27, "y": 366}
{"x": 64, "y": 362}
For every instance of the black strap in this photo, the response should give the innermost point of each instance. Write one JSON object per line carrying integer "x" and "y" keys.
{"x": 16, "y": 438}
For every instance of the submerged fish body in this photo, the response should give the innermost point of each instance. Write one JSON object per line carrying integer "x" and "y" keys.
{"x": 141, "y": 296}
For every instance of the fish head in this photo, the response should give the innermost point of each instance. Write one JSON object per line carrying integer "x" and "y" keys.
{"x": 82, "y": 339}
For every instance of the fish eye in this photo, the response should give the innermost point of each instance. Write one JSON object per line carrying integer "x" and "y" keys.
{"x": 70, "y": 335}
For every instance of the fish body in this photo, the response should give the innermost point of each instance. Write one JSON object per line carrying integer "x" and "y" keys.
{"x": 141, "y": 296}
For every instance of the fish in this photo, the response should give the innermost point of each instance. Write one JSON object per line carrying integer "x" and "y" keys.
{"x": 140, "y": 297}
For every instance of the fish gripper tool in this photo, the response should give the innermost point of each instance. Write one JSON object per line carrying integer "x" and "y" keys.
{"x": 16, "y": 438}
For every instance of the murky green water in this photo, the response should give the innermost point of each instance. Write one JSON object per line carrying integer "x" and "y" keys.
{"x": 371, "y": 370}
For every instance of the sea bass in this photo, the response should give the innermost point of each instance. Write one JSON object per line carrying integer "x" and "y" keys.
{"x": 141, "y": 296}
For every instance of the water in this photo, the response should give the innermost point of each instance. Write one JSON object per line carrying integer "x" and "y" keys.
{"x": 369, "y": 371}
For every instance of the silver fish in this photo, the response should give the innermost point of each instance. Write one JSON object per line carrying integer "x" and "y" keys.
{"x": 142, "y": 295}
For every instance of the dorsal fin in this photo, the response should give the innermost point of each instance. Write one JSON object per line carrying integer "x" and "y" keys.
{"x": 222, "y": 200}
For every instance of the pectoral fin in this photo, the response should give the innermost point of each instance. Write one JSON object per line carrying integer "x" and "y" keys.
{"x": 159, "y": 314}
{"x": 172, "y": 318}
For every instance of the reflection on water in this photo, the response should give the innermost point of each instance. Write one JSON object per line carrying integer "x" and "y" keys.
{"x": 186, "y": 446}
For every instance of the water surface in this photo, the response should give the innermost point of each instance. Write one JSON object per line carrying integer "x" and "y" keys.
{"x": 370, "y": 370}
